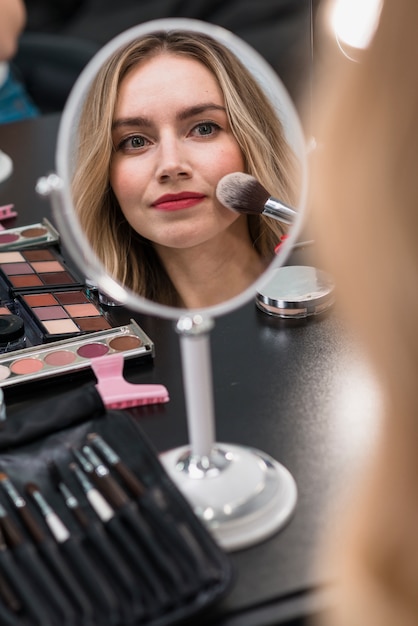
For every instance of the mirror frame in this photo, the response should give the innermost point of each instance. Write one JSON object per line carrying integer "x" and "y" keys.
{"x": 73, "y": 237}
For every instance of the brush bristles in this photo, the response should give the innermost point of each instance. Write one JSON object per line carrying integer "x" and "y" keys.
{"x": 242, "y": 193}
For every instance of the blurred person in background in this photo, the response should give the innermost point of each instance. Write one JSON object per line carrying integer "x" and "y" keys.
{"x": 15, "y": 103}
{"x": 365, "y": 209}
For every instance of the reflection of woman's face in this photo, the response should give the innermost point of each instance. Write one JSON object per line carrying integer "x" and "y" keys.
{"x": 172, "y": 145}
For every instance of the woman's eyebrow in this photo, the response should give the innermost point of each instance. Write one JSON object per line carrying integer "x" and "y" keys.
{"x": 198, "y": 109}
{"x": 185, "y": 114}
{"x": 131, "y": 121}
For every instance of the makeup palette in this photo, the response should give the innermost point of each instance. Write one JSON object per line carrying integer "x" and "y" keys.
{"x": 62, "y": 314}
{"x": 68, "y": 355}
{"x": 63, "y": 323}
{"x": 38, "y": 269}
{"x": 30, "y": 236}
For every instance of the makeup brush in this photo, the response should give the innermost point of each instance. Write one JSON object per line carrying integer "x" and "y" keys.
{"x": 104, "y": 549}
{"x": 114, "y": 525}
{"x": 243, "y": 193}
{"x": 88, "y": 573}
{"x": 33, "y": 603}
{"x": 169, "y": 531}
{"x": 126, "y": 508}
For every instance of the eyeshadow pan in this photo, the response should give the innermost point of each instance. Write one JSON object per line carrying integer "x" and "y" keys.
{"x": 82, "y": 310}
{"x": 60, "y": 357}
{"x": 57, "y": 278}
{"x": 91, "y": 324}
{"x": 28, "y": 280}
{"x": 47, "y": 266}
{"x": 126, "y": 342}
{"x": 37, "y": 231}
{"x": 43, "y": 254}
{"x": 8, "y": 238}
{"x": 60, "y": 327}
{"x": 4, "y": 372}
{"x": 26, "y": 366}
{"x": 50, "y": 313}
{"x": 11, "y": 257}
{"x": 40, "y": 299}
{"x": 17, "y": 268}
{"x": 91, "y": 350}
{"x": 71, "y": 297}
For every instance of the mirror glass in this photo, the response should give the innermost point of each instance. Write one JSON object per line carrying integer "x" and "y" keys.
{"x": 154, "y": 121}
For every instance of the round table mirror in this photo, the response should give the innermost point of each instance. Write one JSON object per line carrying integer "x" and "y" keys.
{"x": 155, "y": 121}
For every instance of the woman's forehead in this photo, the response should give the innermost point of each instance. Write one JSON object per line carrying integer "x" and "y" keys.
{"x": 170, "y": 77}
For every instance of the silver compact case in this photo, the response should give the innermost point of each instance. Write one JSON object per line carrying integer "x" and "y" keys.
{"x": 296, "y": 291}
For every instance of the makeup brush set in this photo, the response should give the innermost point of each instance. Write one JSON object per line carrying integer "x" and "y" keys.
{"x": 92, "y": 530}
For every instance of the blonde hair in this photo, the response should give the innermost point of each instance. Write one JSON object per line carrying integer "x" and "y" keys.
{"x": 126, "y": 255}
{"x": 365, "y": 205}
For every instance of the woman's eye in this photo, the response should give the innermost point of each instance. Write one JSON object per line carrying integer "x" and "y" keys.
{"x": 133, "y": 142}
{"x": 205, "y": 128}
{"x": 137, "y": 142}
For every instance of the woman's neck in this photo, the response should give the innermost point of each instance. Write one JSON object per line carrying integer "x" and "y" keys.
{"x": 215, "y": 271}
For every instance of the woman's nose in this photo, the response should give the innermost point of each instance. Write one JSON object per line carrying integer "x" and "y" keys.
{"x": 172, "y": 160}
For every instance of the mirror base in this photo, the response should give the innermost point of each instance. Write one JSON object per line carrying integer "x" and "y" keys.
{"x": 241, "y": 494}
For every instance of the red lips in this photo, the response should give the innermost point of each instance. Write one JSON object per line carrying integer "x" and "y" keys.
{"x": 177, "y": 201}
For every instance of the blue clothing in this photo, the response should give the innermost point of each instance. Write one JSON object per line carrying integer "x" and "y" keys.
{"x": 15, "y": 103}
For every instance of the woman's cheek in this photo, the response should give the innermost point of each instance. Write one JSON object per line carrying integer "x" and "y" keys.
{"x": 123, "y": 183}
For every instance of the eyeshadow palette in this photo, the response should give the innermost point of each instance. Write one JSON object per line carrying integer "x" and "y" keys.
{"x": 62, "y": 314}
{"x": 38, "y": 269}
{"x": 68, "y": 355}
{"x": 24, "y": 237}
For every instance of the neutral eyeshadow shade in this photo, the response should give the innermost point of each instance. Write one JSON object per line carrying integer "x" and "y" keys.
{"x": 57, "y": 278}
{"x": 89, "y": 324}
{"x": 58, "y": 327}
{"x": 50, "y": 313}
{"x": 128, "y": 342}
{"x": 71, "y": 297}
{"x": 28, "y": 280}
{"x": 4, "y": 372}
{"x": 60, "y": 358}
{"x": 82, "y": 310}
{"x": 91, "y": 350}
{"x": 40, "y": 299}
{"x": 11, "y": 257}
{"x": 26, "y": 366}
{"x": 34, "y": 232}
{"x": 43, "y": 254}
{"x": 17, "y": 268}
{"x": 47, "y": 266}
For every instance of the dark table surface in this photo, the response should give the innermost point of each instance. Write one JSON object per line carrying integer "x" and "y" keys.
{"x": 299, "y": 391}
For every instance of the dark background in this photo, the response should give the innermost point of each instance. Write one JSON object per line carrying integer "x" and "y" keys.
{"x": 61, "y": 36}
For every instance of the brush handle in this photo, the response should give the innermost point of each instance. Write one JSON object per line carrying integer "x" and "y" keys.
{"x": 279, "y": 211}
{"x": 197, "y": 381}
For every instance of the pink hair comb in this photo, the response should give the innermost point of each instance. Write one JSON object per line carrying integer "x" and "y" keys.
{"x": 118, "y": 393}
{"x": 6, "y": 212}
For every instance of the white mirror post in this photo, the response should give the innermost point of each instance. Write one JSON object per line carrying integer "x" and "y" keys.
{"x": 241, "y": 494}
